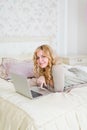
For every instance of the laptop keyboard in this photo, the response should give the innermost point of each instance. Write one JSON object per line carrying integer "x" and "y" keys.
{"x": 35, "y": 94}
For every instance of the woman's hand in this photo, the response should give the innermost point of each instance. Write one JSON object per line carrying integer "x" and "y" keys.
{"x": 41, "y": 81}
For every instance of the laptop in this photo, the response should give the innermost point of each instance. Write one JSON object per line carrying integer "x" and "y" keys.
{"x": 23, "y": 87}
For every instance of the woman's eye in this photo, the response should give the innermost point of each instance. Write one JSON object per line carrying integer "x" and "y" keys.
{"x": 37, "y": 58}
{"x": 43, "y": 56}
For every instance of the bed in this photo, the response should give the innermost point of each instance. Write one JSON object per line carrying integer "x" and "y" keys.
{"x": 56, "y": 111}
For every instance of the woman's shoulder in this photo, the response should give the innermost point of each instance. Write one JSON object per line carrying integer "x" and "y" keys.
{"x": 58, "y": 66}
{"x": 58, "y": 60}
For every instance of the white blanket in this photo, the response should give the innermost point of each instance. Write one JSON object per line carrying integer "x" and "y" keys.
{"x": 56, "y": 111}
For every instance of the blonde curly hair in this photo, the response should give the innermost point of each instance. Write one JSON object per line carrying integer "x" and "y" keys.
{"x": 46, "y": 72}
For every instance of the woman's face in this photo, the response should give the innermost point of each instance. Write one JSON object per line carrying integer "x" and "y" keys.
{"x": 42, "y": 60}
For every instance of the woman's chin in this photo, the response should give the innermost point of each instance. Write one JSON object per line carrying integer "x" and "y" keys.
{"x": 43, "y": 66}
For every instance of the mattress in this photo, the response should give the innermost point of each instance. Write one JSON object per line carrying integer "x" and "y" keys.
{"x": 55, "y": 111}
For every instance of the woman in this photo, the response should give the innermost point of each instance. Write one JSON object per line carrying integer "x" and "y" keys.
{"x": 44, "y": 65}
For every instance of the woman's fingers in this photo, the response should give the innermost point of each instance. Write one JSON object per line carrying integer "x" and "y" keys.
{"x": 41, "y": 86}
{"x": 45, "y": 84}
{"x": 41, "y": 82}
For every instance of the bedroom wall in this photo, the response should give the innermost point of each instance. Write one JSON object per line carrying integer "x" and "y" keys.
{"x": 72, "y": 27}
{"x": 77, "y": 27}
{"x": 25, "y": 20}
{"x": 56, "y": 22}
{"x": 82, "y": 27}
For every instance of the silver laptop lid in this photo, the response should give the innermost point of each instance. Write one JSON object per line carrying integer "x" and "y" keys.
{"x": 20, "y": 84}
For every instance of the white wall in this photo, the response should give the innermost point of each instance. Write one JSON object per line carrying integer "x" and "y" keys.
{"x": 82, "y": 27}
{"x": 26, "y": 18}
{"x": 62, "y": 22}
{"x": 27, "y": 21}
{"x": 77, "y": 27}
{"x": 72, "y": 27}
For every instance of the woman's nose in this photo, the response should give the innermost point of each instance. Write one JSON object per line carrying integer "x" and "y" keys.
{"x": 40, "y": 59}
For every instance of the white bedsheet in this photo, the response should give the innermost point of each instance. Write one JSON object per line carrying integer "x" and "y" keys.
{"x": 56, "y": 111}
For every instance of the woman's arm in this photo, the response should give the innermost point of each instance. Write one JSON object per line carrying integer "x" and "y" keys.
{"x": 58, "y": 77}
{"x": 40, "y": 81}
{"x": 32, "y": 81}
